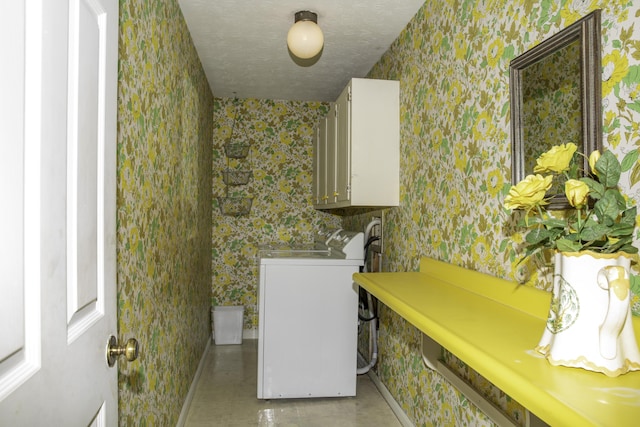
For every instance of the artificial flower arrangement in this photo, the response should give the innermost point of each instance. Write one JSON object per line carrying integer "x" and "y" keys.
{"x": 603, "y": 219}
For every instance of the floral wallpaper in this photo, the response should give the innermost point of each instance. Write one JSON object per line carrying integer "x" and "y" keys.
{"x": 279, "y": 134}
{"x": 163, "y": 210}
{"x": 452, "y": 61}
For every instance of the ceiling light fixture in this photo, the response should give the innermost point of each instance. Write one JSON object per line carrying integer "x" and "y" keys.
{"x": 305, "y": 38}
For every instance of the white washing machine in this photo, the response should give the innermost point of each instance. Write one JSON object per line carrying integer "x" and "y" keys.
{"x": 308, "y": 317}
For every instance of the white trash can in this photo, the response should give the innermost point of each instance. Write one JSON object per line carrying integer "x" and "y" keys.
{"x": 227, "y": 324}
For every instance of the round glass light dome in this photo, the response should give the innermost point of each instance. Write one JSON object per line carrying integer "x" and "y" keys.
{"x": 305, "y": 39}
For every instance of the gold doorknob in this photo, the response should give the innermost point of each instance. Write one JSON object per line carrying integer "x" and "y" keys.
{"x": 130, "y": 350}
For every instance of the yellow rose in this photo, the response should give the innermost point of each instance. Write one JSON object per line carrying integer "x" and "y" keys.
{"x": 557, "y": 159}
{"x": 576, "y": 192}
{"x": 528, "y": 193}
{"x": 593, "y": 158}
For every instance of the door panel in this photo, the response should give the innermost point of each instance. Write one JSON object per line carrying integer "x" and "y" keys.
{"x": 19, "y": 177}
{"x": 85, "y": 227}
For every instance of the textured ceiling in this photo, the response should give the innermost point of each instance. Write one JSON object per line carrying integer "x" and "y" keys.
{"x": 243, "y": 49}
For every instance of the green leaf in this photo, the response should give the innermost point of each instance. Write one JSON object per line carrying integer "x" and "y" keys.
{"x": 573, "y": 237}
{"x": 530, "y": 251}
{"x": 634, "y": 283}
{"x": 564, "y": 245}
{"x": 629, "y": 248}
{"x": 621, "y": 230}
{"x": 619, "y": 245}
{"x": 509, "y": 52}
{"x": 595, "y": 232}
{"x": 537, "y": 235}
{"x": 606, "y": 209}
{"x": 608, "y": 169}
{"x": 635, "y": 174}
{"x": 620, "y": 200}
{"x": 573, "y": 169}
{"x": 554, "y": 223}
{"x": 629, "y": 160}
{"x": 590, "y": 222}
{"x": 626, "y": 35}
{"x": 633, "y": 75}
{"x": 629, "y": 216}
{"x": 596, "y": 190}
{"x": 549, "y": 222}
{"x": 634, "y": 106}
{"x": 505, "y": 109}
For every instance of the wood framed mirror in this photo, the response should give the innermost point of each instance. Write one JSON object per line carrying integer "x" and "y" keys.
{"x": 556, "y": 97}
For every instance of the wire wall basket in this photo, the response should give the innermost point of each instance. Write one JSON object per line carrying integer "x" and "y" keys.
{"x": 235, "y": 206}
{"x": 236, "y": 150}
{"x": 236, "y": 177}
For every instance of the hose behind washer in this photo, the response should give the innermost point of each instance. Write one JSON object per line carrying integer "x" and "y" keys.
{"x": 373, "y": 317}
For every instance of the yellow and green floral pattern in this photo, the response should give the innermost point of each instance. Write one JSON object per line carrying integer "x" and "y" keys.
{"x": 452, "y": 61}
{"x": 280, "y": 134}
{"x": 165, "y": 108}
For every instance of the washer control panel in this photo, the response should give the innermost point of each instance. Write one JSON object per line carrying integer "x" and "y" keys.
{"x": 350, "y": 243}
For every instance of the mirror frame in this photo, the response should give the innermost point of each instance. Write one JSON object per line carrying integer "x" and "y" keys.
{"x": 587, "y": 31}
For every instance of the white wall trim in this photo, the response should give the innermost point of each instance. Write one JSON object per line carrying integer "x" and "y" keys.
{"x": 192, "y": 390}
{"x": 247, "y": 334}
{"x": 386, "y": 395}
{"x": 250, "y": 334}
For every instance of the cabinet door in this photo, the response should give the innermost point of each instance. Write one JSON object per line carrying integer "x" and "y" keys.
{"x": 320, "y": 164}
{"x": 332, "y": 189}
{"x": 315, "y": 182}
{"x": 343, "y": 146}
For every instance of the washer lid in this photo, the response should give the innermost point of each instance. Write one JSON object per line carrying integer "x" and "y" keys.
{"x": 302, "y": 250}
{"x": 308, "y": 259}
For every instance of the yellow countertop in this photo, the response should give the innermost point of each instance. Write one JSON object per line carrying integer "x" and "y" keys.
{"x": 493, "y": 325}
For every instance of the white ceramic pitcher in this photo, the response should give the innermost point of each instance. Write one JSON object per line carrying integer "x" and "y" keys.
{"x": 589, "y": 324}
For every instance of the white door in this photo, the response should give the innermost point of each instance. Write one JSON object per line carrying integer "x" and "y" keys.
{"x": 58, "y": 80}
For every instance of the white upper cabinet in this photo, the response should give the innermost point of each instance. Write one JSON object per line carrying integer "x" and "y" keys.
{"x": 360, "y": 148}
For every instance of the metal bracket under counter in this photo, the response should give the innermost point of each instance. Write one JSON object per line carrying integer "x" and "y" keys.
{"x": 431, "y": 356}
{"x": 493, "y": 325}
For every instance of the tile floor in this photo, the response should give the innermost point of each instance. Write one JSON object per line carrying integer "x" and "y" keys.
{"x": 225, "y": 396}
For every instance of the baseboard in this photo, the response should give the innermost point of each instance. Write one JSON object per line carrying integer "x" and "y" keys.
{"x": 250, "y": 334}
{"x": 192, "y": 389}
{"x": 247, "y": 334}
{"x": 386, "y": 395}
